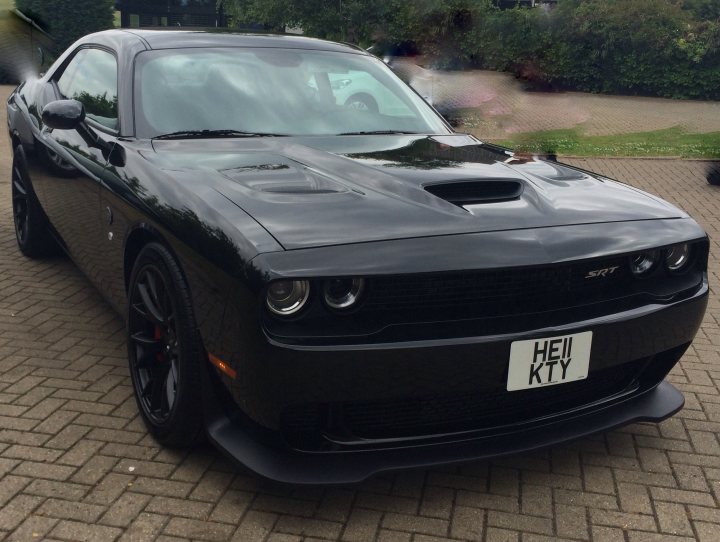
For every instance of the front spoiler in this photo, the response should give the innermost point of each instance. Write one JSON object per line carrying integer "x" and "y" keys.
{"x": 294, "y": 467}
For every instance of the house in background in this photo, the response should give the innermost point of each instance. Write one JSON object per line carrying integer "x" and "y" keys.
{"x": 157, "y": 13}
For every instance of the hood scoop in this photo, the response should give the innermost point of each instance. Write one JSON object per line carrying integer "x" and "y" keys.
{"x": 475, "y": 192}
{"x": 286, "y": 178}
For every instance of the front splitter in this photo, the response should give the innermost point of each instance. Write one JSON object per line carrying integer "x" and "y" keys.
{"x": 347, "y": 467}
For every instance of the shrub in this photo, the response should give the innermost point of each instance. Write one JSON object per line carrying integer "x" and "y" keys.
{"x": 68, "y": 20}
{"x": 653, "y": 47}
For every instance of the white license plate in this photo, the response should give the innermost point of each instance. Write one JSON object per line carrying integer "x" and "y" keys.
{"x": 549, "y": 361}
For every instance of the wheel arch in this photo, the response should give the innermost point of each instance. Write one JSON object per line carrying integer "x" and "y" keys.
{"x": 139, "y": 237}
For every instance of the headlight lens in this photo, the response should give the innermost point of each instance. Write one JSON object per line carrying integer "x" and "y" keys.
{"x": 644, "y": 262}
{"x": 286, "y": 297}
{"x": 343, "y": 293}
{"x": 677, "y": 257}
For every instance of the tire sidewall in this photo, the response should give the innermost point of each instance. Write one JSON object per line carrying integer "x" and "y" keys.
{"x": 34, "y": 216}
{"x": 181, "y": 425}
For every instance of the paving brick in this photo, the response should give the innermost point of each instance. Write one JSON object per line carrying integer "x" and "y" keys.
{"x": 33, "y": 528}
{"x": 125, "y": 509}
{"x": 232, "y": 507}
{"x": 522, "y": 523}
{"x": 415, "y": 524}
{"x": 707, "y": 532}
{"x": 53, "y": 488}
{"x": 536, "y": 500}
{"x": 109, "y": 489}
{"x": 14, "y": 512}
{"x": 673, "y": 519}
{"x": 199, "y": 530}
{"x": 61, "y": 509}
{"x": 179, "y": 507}
{"x": 255, "y": 527}
{"x": 571, "y": 522}
{"x": 75, "y": 530}
{"x": 309, "y": 527}
{"x": 43, "y": 470}
{"x": 362, "y": 525}
{"x": 467, "y": 523}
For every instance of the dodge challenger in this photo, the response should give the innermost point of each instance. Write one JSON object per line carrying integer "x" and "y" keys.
{"x": 325, "y": 290}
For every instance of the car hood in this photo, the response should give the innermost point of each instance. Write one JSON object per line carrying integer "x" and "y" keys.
{"x": 320, "y": 191}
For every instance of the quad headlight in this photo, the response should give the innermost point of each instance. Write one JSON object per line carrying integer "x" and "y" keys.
{"x": 677, "y": 257}
{"x": 286, "y": 297}
{"x": 643, "y": 262}
{"x": 343, "y": 293}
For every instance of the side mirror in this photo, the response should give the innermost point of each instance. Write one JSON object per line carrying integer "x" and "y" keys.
{"x": 63, "y": 114}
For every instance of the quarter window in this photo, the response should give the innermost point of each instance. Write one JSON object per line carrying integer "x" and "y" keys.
{"x": 91, "y": 78}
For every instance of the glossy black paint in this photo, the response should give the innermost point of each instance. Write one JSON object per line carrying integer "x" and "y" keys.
{"x": 63, "y": 114}
{"x": 363, "y": 210}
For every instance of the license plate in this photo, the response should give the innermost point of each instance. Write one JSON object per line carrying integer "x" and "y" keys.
{"x": 549, "y": 361}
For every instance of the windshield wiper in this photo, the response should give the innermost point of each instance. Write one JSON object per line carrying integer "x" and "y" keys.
{"x": 201, "y": 134}
{"x": 378, "y": 132}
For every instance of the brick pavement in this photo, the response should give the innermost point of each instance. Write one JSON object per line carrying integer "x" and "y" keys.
{"x": 77, "y": 464}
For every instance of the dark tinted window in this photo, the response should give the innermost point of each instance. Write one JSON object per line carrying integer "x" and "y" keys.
{"x": 91, "y": 78}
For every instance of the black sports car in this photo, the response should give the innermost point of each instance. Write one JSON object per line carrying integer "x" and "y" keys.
{"x": 331, "y": 286}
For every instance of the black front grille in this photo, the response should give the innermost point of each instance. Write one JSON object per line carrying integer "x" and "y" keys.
{"x": 443, "y": 414}
{"x": 503, "y": 292}
{"x": 430, "y": 415}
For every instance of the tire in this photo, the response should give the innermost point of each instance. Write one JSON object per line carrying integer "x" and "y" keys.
{"x": 31, "y": 225}
{"x": 164, "y": 349}
{"x": 362, "y": 102}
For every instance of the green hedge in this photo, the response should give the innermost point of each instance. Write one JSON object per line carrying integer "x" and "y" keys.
{"x": 653, "y": 47}
{"x": 648, "y": 47}
{"x": 68, "y": 20}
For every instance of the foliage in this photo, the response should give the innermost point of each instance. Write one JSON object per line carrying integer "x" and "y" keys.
{"x": 68, "y": 20}
{"x": 703, "y": 9}
{"x": 652, "y": 47}
{"x": 99, "y": 105}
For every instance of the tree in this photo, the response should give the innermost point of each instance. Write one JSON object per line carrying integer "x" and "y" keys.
{"x": 357, "y": 21}
{"x": 68, "y": 20}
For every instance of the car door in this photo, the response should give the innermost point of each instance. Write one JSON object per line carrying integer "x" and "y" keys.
{"x": 76, "y": 159}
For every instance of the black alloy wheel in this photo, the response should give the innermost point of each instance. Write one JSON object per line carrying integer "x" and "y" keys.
{"x": 31, "y": 224}
{"x": 164, "y": 350}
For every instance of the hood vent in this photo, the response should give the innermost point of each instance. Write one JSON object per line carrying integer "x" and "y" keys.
{"x": 462, "y": 193}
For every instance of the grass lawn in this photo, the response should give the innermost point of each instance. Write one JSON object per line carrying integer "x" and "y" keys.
{"x": 670, "y": 142}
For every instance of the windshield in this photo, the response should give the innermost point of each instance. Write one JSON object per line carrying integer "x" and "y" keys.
{"x": 274, "y": 91}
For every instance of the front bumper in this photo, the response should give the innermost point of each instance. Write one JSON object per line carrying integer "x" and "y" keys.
{"x": 294, "y": 467}
{"x": 249, "y": 425}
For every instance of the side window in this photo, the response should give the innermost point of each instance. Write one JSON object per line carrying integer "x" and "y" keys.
{"x": 91, "y": 78}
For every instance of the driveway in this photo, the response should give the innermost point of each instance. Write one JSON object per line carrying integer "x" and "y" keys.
{"x": 77, "y": 464}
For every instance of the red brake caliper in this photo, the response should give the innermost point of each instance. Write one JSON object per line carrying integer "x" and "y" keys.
{"x": 159, "y": 356}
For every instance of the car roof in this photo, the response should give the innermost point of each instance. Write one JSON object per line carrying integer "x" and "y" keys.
{"x": 176, "y": 39}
